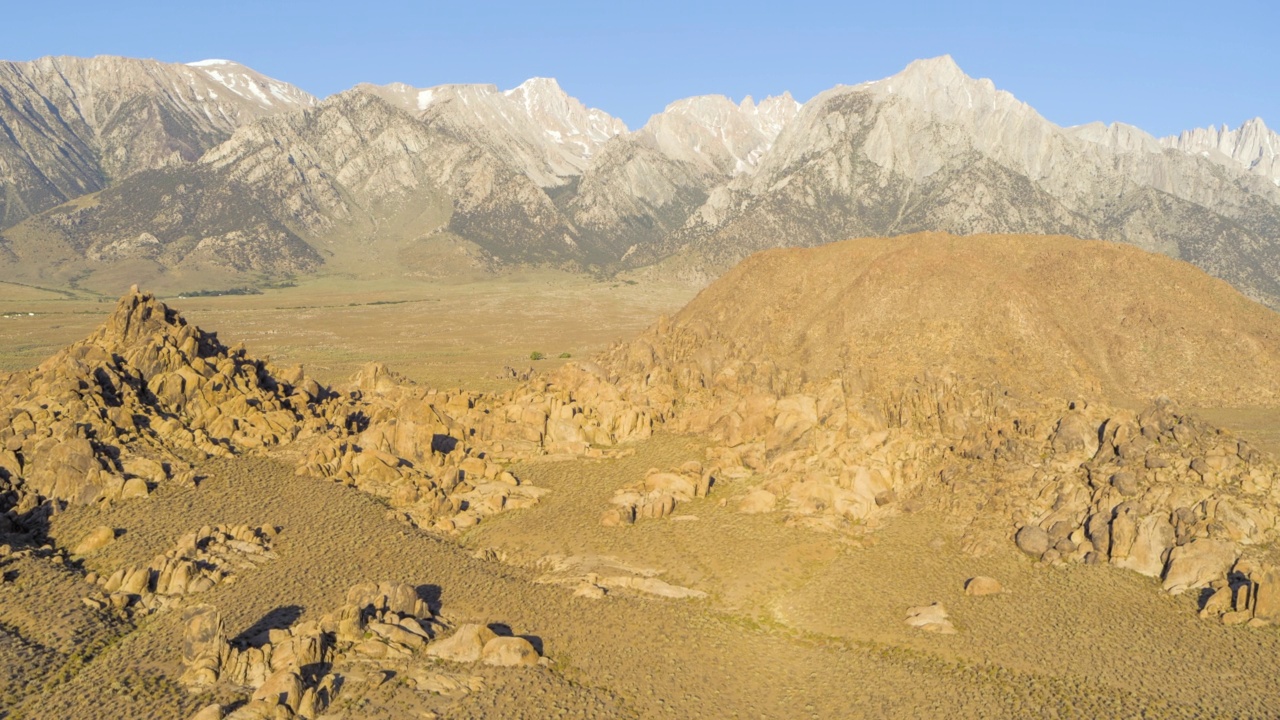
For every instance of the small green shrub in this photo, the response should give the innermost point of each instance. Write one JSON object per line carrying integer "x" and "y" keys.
{"x": 536, "y": 355}
{"x": 565, "y": 355}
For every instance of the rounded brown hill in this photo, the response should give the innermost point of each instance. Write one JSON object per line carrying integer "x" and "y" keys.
{"x": 1040, "y": 315}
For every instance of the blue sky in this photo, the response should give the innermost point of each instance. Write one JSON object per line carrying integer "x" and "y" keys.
{"x": 1163, "y": 66}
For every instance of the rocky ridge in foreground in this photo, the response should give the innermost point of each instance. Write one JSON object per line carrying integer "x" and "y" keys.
{"x": 147, "y": 397}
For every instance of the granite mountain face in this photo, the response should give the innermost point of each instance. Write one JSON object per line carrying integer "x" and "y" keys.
{"x": 933, "y": 149}
{"x": 74, "y": 126}
{"x": 1252, "y": 146}
{"x": 214, "y": 169}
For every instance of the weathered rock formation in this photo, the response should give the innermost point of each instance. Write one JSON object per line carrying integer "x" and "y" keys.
{"x": 931, "y": 618}
{"x": 658, "y": 494}
{"x": 198, "y": 561}
{"x": 594, "y": 576}
{"x": 135, "y": 403}
{"x": 147, "y": 395}
{"x": 301, "y": 670}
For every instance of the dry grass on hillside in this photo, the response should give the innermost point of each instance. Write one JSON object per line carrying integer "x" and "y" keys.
{"x": 1048, "y": 315}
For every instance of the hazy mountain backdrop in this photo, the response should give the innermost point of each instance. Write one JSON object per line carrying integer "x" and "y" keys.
{"x": 116, "y": 170}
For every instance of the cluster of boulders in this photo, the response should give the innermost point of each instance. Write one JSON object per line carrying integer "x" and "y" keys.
{"x": 300, "y": 671}
{"x": 575, "y": 411}
{"x": 1158, "y": 491}
{"x": 1250, "y": 593}
{"x": 658, "y": 494}
{"x": 199, "y": 561}
{"x": 446, "y": 492}
{"x": 817, "y": 455}
{"x": 510, "y": 373}
{"x": 133, "y": 405}
{"x": 110, "y": 417}
{"x": 829, "y": 454}
{"x": 474, "y": 642}
{"x": 832, "y": 447}
{"x": 440, "y": 456}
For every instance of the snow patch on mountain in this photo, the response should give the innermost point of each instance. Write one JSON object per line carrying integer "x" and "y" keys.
{"x": 252, "y": 85}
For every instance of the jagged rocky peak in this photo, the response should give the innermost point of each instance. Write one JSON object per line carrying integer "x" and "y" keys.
{"x": 401, "y": 95}
{"x": 716, "y": 134}
{"x": 1252, "y": 146}
{"x": 914, "y": 123}
{"x": 417, "y": 100}
{"x": 113, "y": 415}
{"x": 940, "y": 70}
{"x": 564, "y": 118}
{"x": 100, "y": 84}
{"x": 144, "y": 338}
{"x": 771, "y": 114}
{"x": 940, "y": 86}
{"x": 138, "y": 315}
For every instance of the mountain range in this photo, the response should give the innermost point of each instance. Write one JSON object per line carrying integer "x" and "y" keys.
{"x": 116, "y": 170}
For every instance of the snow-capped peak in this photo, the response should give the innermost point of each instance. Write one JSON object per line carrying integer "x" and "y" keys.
{"x": 252, "y": 85}
{"x": 536, "y": 85}
{"x": 563, "y": 118}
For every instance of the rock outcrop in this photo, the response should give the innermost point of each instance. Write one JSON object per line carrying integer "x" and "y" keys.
{"x": 841, "y": 410}
{"x": 97, "y": 539}
{"x": 659, "y": 493}
{"x": 982, "y": 585}
{"x": 931, "y": 618}
{"x": 301, "y": 670}
{"x": 197, "y": 562}
{"x": 442, "y": 491}
{"x": 135, "y": 403}
{"x": 147, "y": 395}
{"x": 594, "y": 577}
{"x": 1164, "y": 495}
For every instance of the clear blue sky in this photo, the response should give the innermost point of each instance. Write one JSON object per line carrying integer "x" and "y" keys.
{"x": 1163, "y": 66}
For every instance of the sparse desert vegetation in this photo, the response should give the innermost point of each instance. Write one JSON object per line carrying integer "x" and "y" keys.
{"x": 255, "y": 541}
